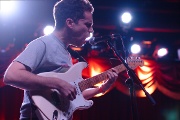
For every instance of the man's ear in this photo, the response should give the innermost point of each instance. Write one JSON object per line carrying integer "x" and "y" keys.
{"x": 69, "y": 22}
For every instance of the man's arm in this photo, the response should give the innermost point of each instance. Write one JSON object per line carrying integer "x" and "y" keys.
{"x": 91, "y": 92}
{"x": 17, "y": 75}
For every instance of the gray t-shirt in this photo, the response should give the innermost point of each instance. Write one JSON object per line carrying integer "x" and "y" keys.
{"x": 43, "y": 54}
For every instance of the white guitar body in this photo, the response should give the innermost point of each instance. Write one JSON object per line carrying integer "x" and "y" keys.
{"x": 52, "y": 105}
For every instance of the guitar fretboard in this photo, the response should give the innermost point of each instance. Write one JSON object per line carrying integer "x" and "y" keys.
{"x": 90, "y": 82}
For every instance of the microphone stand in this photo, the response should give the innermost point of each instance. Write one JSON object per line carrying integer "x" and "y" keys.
{"x": 130, "y": 81}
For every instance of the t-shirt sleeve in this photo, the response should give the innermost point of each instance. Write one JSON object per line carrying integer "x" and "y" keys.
{"x": 32, "y": 55}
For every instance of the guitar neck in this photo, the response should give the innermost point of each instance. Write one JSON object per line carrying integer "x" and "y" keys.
{"x": 89, "y": 82}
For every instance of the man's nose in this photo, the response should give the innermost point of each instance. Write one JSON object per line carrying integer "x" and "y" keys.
{"x": 91, "y": 30}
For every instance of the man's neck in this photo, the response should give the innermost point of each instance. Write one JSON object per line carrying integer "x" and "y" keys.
{"x": 62, "y": 35}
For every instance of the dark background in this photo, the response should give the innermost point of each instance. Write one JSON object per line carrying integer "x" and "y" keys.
{"x": 155, "y": 21}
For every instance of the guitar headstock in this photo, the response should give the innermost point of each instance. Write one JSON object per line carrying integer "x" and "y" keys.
{"x": 134, "y": 62}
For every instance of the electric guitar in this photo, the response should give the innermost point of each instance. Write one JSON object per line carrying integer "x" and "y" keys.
{"x": 51, "y": 105}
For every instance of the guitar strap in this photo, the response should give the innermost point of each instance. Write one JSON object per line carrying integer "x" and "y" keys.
{"x": 76, "y": 55}
{"x": 33, "y": 106}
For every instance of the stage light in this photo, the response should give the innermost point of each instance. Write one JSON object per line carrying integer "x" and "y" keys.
{"x": 162, "y": 52}
{"x": 135, "y": 48}
{"x": 7, "y": 6}
{"x": 126, "y": 17}
{"x": 48, "y": 30}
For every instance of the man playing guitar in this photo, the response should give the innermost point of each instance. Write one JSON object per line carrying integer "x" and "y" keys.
{"x": 73, "y": 24}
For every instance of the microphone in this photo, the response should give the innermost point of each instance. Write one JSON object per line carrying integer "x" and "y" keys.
{"x": 96, "y": 40}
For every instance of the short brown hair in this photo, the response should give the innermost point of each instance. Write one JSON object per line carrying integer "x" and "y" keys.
{"x": 73, "y": 9}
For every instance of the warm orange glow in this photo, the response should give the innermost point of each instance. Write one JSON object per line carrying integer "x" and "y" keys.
{"x": 98, "y": 95}
{"x": 144, "y": 72}
{"x": 150, "y": 90}
{"x": 147, "y": 42}
{"x": 146, "y": 63}
{"x": 147, "y": 80}
{"x": 146, "y": 69}
{"x": 95, "y": 71}
{"x": 144, "y": 76}
{"x": 94, "y": 68}
{"x": 149, "y": 84}
{"x": 76, "y": 48}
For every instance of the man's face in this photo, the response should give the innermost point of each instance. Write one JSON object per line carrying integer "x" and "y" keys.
{"x": 82, "y": 29}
